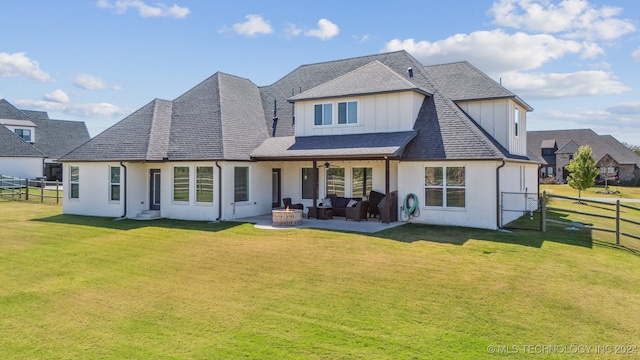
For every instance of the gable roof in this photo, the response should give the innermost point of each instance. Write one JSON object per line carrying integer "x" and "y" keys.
{"x": 372, "y": 78}
{"x": 53, "y": 138}
{"x": 461, "y": 81}
{"x": 570, "y": 140}
{"x": 209, "y": 121}
{"x": 12, "y": 145}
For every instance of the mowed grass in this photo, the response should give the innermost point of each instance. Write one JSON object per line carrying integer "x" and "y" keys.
{"x": 594, "y": 191}
{"x": 78, "y": 287}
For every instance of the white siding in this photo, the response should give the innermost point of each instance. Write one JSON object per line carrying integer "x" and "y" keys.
{"x": 22, "y": 167}
{"x": 93, "y": 197}
{"x": 377, "y": 113}
{"x": 480, "y": 198}
{"x": 497, "y": 118}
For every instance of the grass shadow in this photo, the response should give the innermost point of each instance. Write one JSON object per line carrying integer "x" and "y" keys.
{"x": 128, "y": 224}
{"x": 410, "y": 233}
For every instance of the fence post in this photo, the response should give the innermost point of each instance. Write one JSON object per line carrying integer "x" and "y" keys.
{"x": 617, "y": 222}
{"x": 543, "y": 212}
{"x": 57, "y": 193}
{"x": 42, "y": 191}
{"x": 26, "y": 181}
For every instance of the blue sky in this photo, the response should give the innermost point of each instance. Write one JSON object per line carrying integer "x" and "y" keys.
{"x": 577, "y": 62}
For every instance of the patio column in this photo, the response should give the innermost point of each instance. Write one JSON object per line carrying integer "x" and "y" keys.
{"x": 315, "y": 183}
{"x": 387, "y": 203}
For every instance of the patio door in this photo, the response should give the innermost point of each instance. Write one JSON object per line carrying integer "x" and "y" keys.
{"x": 154, "y": 189}
{"x": 276, "y": 188}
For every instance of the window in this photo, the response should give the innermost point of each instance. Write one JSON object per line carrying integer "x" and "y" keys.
{"x": 307, "y": 183}
{"x": 516, "y": 118}
{"x": 25, "y": 134}
{"x": 323, "y": 114}
{"x": 361, "y": 179}
{"x": 348, "y": 112}
{"x": 444, "y": 186}
{"x": 181, "y": 183}
{"x": 114, "y": 182}
{"x": 241, "y": 184}
{"x": 335, "y": 181}
{"x": 74, "y": 182}
{"x": 547, "y": 151}
{"x": 204, "y": 184}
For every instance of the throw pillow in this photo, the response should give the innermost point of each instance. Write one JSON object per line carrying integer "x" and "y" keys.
{"x": 326, "y": 202}
{"x": 352, "y": 203}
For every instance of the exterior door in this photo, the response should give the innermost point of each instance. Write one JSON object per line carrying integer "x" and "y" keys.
{"x": 276, "y": 193}
{"x": 154, "y": 189}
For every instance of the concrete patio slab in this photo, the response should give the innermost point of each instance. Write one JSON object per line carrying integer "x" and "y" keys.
{"x": 335, "y": 224}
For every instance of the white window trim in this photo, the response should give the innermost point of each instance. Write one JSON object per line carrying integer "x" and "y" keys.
{"x": 173, "y": 184}
{"x": 74, "y": 182}
{"x": 112, "y": 183}
{"x": 242, "y": 202}
{"x": 444, "y": 188}
{"x": 357, "y": 113}
{"x": 323, "y": 125}
{"x": 195, "y": 186}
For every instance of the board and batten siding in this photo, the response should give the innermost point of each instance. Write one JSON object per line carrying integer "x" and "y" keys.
{"x": 497, "y": 118}
{"x": 391, "y": 112}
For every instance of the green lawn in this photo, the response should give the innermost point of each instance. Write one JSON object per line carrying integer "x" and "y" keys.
{"x": 596, "y": 191}
{"x": 78, "y": 287}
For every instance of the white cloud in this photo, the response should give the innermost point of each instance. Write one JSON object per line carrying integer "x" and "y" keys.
{"x": 75, "y": 109}
{"x": 18, "y": 64}
{"x": 494, "y": 52}
{"x": 571, "y": 18}
{"x": 556, "y": 85}
{"x": 362, "y": 38}
{"x": 326, "y": 30}
{"x": 90, "y": 82}
{"x": 636, "y": 55}
{"x": 591, "y": 50}
{"x": 159, "y": 10}
{"x": 255, "y": 24}
{"x": 58, "y": 96}
{"x": 292, "y": 31}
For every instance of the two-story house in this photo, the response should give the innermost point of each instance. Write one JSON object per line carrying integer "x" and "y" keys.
{"x": 31, "y": 142}
{"x": 228, "y": 149}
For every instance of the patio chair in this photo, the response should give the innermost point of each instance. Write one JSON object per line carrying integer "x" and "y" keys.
{"x": 287, "y": 203}
{"x": 358, "y": 212}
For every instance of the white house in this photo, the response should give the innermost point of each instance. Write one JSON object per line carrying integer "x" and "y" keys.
{"x": 446, "y": 135}
{"x": 31, "y": 143}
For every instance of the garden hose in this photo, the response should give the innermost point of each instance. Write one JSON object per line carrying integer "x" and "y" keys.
{"x": 410, "y": 210}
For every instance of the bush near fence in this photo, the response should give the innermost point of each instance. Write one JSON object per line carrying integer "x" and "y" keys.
{"x": 42, "y": 191}
{"x": 612, "y": 222}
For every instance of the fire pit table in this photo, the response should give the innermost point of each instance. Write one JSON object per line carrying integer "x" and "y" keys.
{"x": 281, "y": 217}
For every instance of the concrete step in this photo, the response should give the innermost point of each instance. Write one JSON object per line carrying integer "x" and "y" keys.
{"x": 148, "y": 215}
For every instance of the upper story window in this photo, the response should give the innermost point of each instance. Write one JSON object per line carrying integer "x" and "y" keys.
{"x": 348, "y": 112}
{"x": 548, "y": 151}
{"x": 323, "y": 114}
{"x": 24, "y": 134}
{"x": 516, "y": 118}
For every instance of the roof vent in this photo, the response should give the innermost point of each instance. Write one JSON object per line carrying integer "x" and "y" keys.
{"x": 410, "y": 71}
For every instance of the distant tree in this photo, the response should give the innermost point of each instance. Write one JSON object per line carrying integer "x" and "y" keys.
{"x": 582, "y": 169}
{"x": 634, "y": 148}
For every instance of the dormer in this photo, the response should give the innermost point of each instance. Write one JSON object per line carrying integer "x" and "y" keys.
{"x": 370, "y": 99}
{"x": 23, "y": 128}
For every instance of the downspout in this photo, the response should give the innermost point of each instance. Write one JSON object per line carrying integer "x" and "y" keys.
{"x": 219, "y": 191}
{"x": 125, "y": 190}
{"x": 498, "y": 193}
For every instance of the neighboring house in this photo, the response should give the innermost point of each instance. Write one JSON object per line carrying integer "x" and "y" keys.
{"x": 41, "y": 142}
{"x": 556, "y": 148}
{"x": 229, "y": 149}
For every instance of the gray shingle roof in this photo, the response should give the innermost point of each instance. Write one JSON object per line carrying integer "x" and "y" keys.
{"x": 600, "y": 144}
{"x": 53, "y": 138}
{"x": 461, "y": 81}
{"x": 220, "y": 118}
{"x": 372, "y": 145}
{"x": 372, "y": 78}
{"x": 12, "y": 145}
